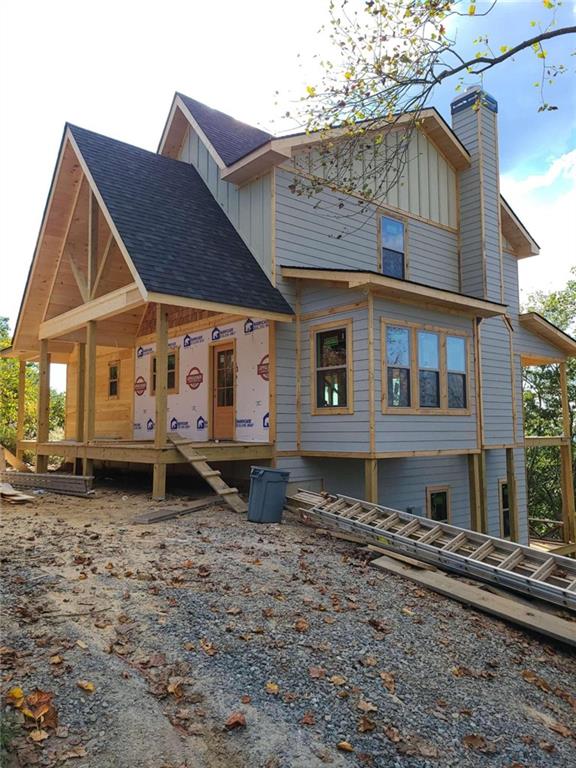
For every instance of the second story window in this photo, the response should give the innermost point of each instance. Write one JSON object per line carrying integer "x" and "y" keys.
{"x": 392, "y": 244}
{"x": 332, "y": 368}
{"x": 456, "y": 371}
{"x": 429, "y": 369}
{"x": 398, "y": 366}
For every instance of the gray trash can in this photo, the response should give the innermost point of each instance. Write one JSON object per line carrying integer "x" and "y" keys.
{"x": 267, "y": 494}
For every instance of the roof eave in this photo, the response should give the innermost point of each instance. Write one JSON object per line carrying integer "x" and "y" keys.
{"x": 538, "y": 325}
{"x": 522, "y": 241}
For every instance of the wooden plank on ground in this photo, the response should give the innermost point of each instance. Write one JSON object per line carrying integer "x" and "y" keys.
{"x": 420, "y": 564}
{"x": 169, "y": 513}
{"x": 12, "y": 496}
{"x": 506, "y": 608}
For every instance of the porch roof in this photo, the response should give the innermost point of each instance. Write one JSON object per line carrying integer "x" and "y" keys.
{"x": 539, "y": 326}
{"x": 180, "y": 241}
{"x": 400, "y": 290}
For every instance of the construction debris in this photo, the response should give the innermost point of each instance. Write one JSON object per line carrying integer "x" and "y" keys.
{"x": 12, "y": 496}
{"x": 169, "y": 513}
{"x": 55, "y": 482}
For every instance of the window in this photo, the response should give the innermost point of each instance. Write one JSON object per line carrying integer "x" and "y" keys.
{"x": 331, "y": 366}
{"x": 456, "y": 371}
{"x": 424, "y": 369}
{"x": 172, "y": 378}
{"x": 504, "y": 510}
{"x": 438, "y": 504}
{"x": 429, "y": 369}
{"x": 113, "y": 379}
{"x": 398, "y": 366}
{"x": 392, "y": 244}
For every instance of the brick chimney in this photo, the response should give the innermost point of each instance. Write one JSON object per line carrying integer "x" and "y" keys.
{"x": 474, "y": 120}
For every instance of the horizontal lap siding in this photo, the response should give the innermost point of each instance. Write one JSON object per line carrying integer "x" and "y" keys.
{"x": 433, "y": 256}
{"x": 529, "y": 343}
{"x": 338, "y": 432}
{"x": 496, "y": 382}
{"x": 286, "y": 375}
{"x": 417, "y": 432}
{"x": 249, "y": 207}
{"x": 496, "y": 471}
{"x": 402, "y": 483}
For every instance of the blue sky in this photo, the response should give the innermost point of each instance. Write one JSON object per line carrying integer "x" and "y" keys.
{"x": 114, "y": 70}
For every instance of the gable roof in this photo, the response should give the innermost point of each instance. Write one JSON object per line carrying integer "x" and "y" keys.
{"x": 231, "y": 138}
{"x": 542, "y": 327}
{"x": 180, "y": 241}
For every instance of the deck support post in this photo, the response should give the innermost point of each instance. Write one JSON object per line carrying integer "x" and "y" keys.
{"x": 160, "y": 431}
{"x": 566, "y": 476}
{"x": 512, "y": 494}
{"x": 371, "y": 480}
{"x": 483, "y": 492}
{"x": 89, "y": 426}
{"x": 476, "y": 495}
{"x": 80, "y": 392}
{"x": 21, "y": 408}
{"x": 43, "y": 432}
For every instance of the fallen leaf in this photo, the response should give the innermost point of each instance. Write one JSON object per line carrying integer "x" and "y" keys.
{"x": 56, "y": 659}
{"x": 316, "y": 672}
{"x": 81, "y": 644}
{"x": 308, "y": 719}
{"x": 414, "y": 746}
{"x": 366, "y": 706}
{"x": 15, "y": 696}
{"x": 365, "y": 725}
{"x": 272, "y": 688}
{"x": 246, "y": 699}
{"x": 546, "y": 746}
{"x": 234, "y": 611}
{"x": 392, "y": 733}
{"x": 236, "y": 720}
{"x": 86, "y": 685}
{"x": 345, "y": 746}
{"x": 38, "y": 735}
{"x": 61, "y": 732}
{"x": 562, "y": 729}
{"x": 337, "y": 680}
{"x": 379, "y": 625}
{"x": 301, "y": 625}
{"x": 208, "y": 647}
{"x": 479, "y": 742}
{"x": 70, "y": 754}
{"x": 175, "y": 686}
{"x": 389, "y": 681}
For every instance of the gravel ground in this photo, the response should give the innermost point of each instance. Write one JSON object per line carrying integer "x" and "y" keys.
{"x": 182, "y": 625}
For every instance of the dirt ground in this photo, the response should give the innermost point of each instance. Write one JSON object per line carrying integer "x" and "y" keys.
{"x": 210, "y": 642}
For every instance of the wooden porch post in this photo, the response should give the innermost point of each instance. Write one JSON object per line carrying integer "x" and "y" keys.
{"x": 566, "y": 477}
{"x": 43, "y": 432}
{"x": 512, "y": 494}
{"x": 159, "y": 477}
{"x": 371, "y": 480}
{"x": 89, "y": 426}
{"x": 80, "y": 392}
{"x": 21, "y": 408}
{"x": 476, "y": 492}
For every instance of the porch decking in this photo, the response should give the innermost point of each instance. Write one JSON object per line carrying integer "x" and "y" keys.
{"x": 144, "y": 452}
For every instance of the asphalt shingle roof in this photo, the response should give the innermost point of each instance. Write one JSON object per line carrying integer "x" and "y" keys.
{"x": 180, "y": 240}
{"x": 229, "y": 137}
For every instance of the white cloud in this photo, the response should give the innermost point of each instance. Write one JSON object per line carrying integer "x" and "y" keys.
{"x": 546, "y": 203}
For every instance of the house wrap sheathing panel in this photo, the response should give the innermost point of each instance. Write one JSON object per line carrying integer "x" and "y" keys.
{"x": 189, "y": 408}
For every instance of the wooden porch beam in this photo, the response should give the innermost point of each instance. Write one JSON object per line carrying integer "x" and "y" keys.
{"x": 160, "y": 430}
{"x": 541, "y": 441}
{"x": 43, "y": 432}
{"x": 114, "y": 303}
{"x": 21, "y": 408}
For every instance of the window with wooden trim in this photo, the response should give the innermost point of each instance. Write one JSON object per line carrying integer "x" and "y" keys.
{"x": 392, "y": 247}
{"x": 504, "y": 509}
{"x": 438, "y": 503}
{"x": 172, "y": 376}
{"x": 113, "y": 379}
{"x": 331, "y": 358}
{"x": 398, "y": 366}
{"x": 428, "y": 369}
{"x": 425, "y": 369}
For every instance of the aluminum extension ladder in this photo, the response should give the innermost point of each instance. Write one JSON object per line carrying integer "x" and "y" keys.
{"x": 497, "y": 561}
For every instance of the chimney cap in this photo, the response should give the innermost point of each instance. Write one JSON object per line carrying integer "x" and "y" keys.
{"x": 474, "y": 95}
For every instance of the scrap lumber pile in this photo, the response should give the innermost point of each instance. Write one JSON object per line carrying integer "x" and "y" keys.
{"x": 55, "y": 482}
{"x": 12, "y": 496}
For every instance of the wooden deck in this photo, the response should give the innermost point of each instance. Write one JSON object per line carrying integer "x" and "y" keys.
{"x": 144, "y": 452}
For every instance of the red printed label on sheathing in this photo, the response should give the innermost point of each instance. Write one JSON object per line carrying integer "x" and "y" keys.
{"x": 140, "y": 385}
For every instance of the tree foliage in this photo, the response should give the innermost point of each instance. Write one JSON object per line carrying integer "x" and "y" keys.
{"x": 9, "y": 397}
{"x": 543, "y": 407}
{"x": 387, "y": 57}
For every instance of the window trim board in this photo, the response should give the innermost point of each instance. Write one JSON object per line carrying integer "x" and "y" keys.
{"x": 430, "y": 489}
{"x": 348, "y": 409}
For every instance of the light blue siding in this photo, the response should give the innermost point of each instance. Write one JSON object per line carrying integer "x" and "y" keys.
{"x": 249, "y": 207}
{"x": 496, "y": 382}
{"x": 496, "y": 471}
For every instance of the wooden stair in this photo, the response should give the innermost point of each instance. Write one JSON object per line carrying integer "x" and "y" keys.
{"x": 212, "y": 476}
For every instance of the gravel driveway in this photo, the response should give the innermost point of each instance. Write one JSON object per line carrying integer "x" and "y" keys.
{"x": 215, "y": 643}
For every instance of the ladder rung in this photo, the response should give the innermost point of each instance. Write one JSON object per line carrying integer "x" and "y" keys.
{"x": 430, "y": 535}
{"x": 572, "y": 586}
{"x": 511, "y": 561}
{"x": 351, "y": 511}
{"x": 368, "y": 516}
{"x": 383, "y": 525}
{"x": 545, "y": 570}
{"x": 483, "y": 551}
{"x": 409, "y": 528}
{"x": 454, "y": 543}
